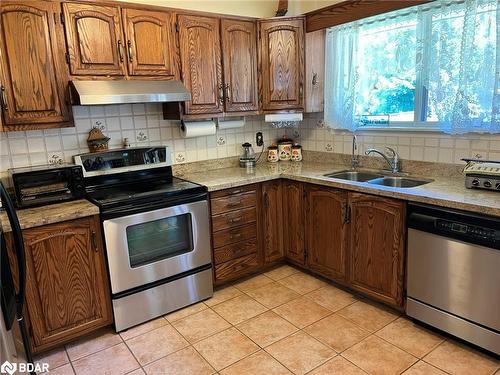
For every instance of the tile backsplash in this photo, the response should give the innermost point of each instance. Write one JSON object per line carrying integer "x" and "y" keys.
{"x": 143, "y": 124}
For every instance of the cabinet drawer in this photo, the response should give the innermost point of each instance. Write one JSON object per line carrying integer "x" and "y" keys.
{"x": 233, "y": 202}
{"x": 236, "y": 268}
{"x": 233, "y": 191}
{"x": 233, "y": 218}
{"x": 233, "y": 235}
{"x": 235, "y": 250}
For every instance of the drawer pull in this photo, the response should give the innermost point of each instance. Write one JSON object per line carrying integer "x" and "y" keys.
{"x": 234, "y": 204}
{"x": 235, "y": 236}
{"x": 235, "y": 220}
{"x": 236, "y": 192}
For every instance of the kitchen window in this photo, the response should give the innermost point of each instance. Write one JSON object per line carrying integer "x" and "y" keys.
{"x": 431, "y": 67}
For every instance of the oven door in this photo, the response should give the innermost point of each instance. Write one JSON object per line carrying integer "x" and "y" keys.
{"x": 154, "y": 245}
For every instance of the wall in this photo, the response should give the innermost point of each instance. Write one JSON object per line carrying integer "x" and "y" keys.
{"x": 249, "y": 8}
{"x": 296, "y": 7}
{"x": 143, "y": 125}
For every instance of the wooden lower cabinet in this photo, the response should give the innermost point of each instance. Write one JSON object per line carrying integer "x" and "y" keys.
{"x": 272, "y": 221}
{"x": 326, "y": 231}
{"x": 293, "y": 217}
{"x": 377, "y": 241}
{"x": 67, "y": 291}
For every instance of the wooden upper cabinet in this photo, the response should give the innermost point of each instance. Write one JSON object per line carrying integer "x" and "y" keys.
{"x": 315, "y": 71}
{"x": 95, "y": 41}
{"x": 33, "y": 74}
{"x": 239, "y": 52}
{"x": 272, "y": 221}
{"x": 200, "y": 51}
{"x": 293, "y": 214}
{"x": 67, "y": 284}
{"x": 282, "y": 64}
{"x": 326, "y": 231}
{"x": 377, "y": 247}
{"x": 150, "y": 43}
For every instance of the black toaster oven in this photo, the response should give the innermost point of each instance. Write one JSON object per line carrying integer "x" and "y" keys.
{"x": 46, "y": 184}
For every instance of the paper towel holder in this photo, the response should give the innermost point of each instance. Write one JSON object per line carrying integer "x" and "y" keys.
{"x": 222, "y": 120}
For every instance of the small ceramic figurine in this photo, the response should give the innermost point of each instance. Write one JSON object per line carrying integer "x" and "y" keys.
{"x": 97, "y": 141}
{"x": 272, "y": 154}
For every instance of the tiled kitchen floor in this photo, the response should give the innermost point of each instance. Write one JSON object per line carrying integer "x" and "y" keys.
{"x": 280, "y": 322}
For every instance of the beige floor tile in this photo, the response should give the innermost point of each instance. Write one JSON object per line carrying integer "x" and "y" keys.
{"x": 239, "y": 309}
{"x": 423, "y": 368}
{"x": 66, "y": 369}
{"x": 225, "y": 348}
{"x": 302, "y": 312}
{"x": 200, "y": 325}
{"x": 115, "y": 360}
{"x": 139, "y": 371}
{"x": 273, "y": 295}
{"x": 222, "y": 295}
{"x": 186, "y": 311}
{"x": 368, "y": 316}
{"x": 143, "y": 328}
{"x": 410, "y": 337}
{"x": 155, "y": 344}
{"x": 281, "y": 272}
{"x": 337, "y": 332}
{"x": 377, "y": 356}
{"x": 300, "y": 352}
{"x": 260, "y": 363}
{"x": 253, "y": 283}
{"x": 184, "y": 362}
{"x": 302, "y": 283}
{"x": 458, "y": 359}
{"x": 54, "y": 358}
{"x": 267, "y": 328}
{"x": 99, "y": 340}
{"x": 332, "y": 298}
{"x": 337, "y": 365}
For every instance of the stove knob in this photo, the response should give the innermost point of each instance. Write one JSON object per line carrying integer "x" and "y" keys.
{"x": 497, "y": 186}
{"x": 475, "y": 182}
{"x": 487, "y": 184}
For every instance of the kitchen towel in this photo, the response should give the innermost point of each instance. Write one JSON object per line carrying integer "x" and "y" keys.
{"x": 191, "y": 129}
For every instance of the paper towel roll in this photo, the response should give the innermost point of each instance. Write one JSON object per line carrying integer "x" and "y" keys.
{"x": 191, "y": 129}
{"x": 231, "y": 124}
{"x": 284, "y": 117}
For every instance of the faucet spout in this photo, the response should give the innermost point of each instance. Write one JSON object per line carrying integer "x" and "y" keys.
{"x": 393, "y": 163}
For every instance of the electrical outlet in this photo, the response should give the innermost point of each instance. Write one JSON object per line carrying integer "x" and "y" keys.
{"x": 259, "y": 139}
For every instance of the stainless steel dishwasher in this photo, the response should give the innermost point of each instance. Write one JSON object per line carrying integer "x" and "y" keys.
{"x": 454, "y": 273}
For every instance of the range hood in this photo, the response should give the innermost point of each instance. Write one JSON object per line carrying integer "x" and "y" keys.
{"x": 121, "y": 92}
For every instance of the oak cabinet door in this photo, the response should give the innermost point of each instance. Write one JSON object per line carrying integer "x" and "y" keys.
{"x": 199, "y": 41}
{"x": 95, "y": 41}
{"x": 282, "y": 64}
{"x": 326, "y": 231}
{"x": 377, "y": 247}
{"x": 67, "y": 286}
{"x": 151, "y": 48}
{"x": 33, "y": 80}
{"x": 315, "y": 71}
{"x": 239, "y": 52}
{"x": 272, "y": 221}
{"x": 293, "y": 214}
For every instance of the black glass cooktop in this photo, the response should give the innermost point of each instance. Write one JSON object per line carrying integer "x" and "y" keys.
{"x": 150, "y": 189}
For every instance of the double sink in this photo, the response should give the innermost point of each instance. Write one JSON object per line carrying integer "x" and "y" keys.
{"x": 376, "y": 178}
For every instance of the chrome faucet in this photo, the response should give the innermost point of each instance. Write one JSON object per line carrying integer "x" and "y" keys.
{"x": 394, "y": 162}
{"x": 354, "y": 159}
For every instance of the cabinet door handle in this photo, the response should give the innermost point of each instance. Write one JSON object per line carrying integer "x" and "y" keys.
{"x": 228, "y": 90}
{"x": 301, "y": 91}
{"x": 221, "y": 94}
{"x": 314, "y": 81}
{"x": 129, "y": 45}
{"x": 266, "y": 200}
{"x": 347, "y": 213}
{"x": 94, "y": 241}
{"x": 3, "y": 99}
{"x": 120, "y": 50}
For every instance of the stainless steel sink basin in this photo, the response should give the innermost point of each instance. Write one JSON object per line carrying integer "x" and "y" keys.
{"x": 354, "y": 175}
{"x": 400, "y": 182}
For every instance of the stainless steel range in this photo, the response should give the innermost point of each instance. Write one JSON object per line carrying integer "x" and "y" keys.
{"x": 156, "y": 230}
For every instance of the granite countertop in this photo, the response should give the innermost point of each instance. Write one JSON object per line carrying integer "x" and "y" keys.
{"x": 443, "y": 191}
{"x": 50, "y": 214}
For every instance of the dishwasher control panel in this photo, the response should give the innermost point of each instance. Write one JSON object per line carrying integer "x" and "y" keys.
{"x": 468, "y": 230}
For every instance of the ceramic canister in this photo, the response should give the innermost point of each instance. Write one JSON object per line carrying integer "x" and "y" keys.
{"x": 296, "y": 153}
{"x": 285, "y": 149}
{"x": 272, "y": 154}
